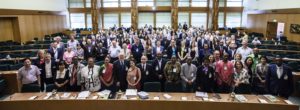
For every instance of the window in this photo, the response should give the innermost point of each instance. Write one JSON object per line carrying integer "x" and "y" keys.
{"x": 234, "y": 3}
{"x": 125, "y": 3}
{"x": 76, "y": 4}
{"x": 77, "y": 20}
{"x": 199, "y": 3}
{"x": 163, "y": 2}
{"x": 183, "y": 17}
{"x": 89, "y": 21}
{"x": 221, "y": 3}
{"x": 145, "y": 18}
{"x": 221, "y": 20}
{"x": 110, "y": 20}
{"x": 145, "y": 3}
{"x": 233, "y": 19}
{"x": 183, "y": 3}
{"x": 126, "y": 19}
{"x": 163, "y": 19}
{"x": 88, "y": 3}
{"x": 110, "y": 3}
{"x": 198, "y": 19}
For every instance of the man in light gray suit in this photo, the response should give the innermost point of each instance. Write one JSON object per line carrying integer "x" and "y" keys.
{"x": 188, "y": 75}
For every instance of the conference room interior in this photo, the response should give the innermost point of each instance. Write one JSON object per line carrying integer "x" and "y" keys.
{"x": 150, "y": 54}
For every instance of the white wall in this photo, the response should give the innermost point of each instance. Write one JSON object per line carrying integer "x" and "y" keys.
{"x": 270, "y": 4}
{"x": 46, "y": 5}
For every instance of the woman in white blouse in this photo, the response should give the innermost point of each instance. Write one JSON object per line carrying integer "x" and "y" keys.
{"x": 241, "y": 79}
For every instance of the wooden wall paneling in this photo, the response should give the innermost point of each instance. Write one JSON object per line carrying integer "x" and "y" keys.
{"x": 16, "y": 29}
{"x": 6, "y": 29}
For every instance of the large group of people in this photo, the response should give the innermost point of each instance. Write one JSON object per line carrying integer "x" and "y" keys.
{"x": 189, "y": 58}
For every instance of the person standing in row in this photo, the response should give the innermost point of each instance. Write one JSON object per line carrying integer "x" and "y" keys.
{"x": 90, "y": 76}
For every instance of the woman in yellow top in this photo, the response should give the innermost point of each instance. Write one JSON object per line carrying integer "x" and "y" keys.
{"x": 133, "y": 76}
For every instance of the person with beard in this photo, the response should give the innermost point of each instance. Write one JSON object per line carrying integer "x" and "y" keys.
{"x": 279, "y": 79}
{"x": 188, "y": 75}
{"x": 158, "y": 66}
{"x": 75, "y": 75}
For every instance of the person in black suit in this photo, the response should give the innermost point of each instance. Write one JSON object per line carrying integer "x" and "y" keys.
{"x": 205, "y": 77}
{"x": 89, "y": 49}
{"x": 279, "y": 79}
{"x": 56, "y": 53}
{"x": 222, "y": 49}
{"x": 158, "y": 66}
{"x": 146, "y": 71}
{"x": 137, "y": 50}
{"x": 172, "y": 50}
{"x": 231, "y": 50}
{"x": 185, "y": 26}
{"x": 101, "y": 52}
{"x": 120, "y": 72}
{"x": 48, "y": 69}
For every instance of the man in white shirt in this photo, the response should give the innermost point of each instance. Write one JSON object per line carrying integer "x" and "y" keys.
{"x": 72, "y": 43}
{"x": 90, "y": 77}
{"x": 256, "y": 41}
{"x": 245, "y": 51}
{"x": 114, "y": 51}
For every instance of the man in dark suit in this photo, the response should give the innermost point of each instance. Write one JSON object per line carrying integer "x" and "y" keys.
{"x": 172, "y": 50}
{"x": 185, "y": 26}
{"x": 101, "y": 52}
{"x": 48, "y": 70}
{"x": 158, "y": 66}
{"x": 222, "y": 49}
{"x": 137, "y": 50}
{"x": 120, "y": 72}
{"x": 89, "y": 49}
{"x": 201, "y": 43}
{"x": 231, "y": 51}
{"x": 205, "y": 77}
{"x": 146, "y": 71}
{"x": 56, "y": 53}
{"x": 156, "y": 49}
{"x": 279, "y": 79}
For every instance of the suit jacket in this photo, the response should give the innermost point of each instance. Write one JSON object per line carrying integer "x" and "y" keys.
{"x": 120, "y": 72}
{"x": 154, "y": 52}
{"x": 231, "y": 53}
{"x": 60, "y": 53}
{"x": 137, "y": 51}
{"x": 89, "y": 51}
{"x": 101, "y": 53}
{"x": 158, "y": 70}
{"x": 170, "y": 51}
{"x": 224, "y": 49}
{"x": 53, "y": 70}
{"x": 147, "y": 74}
{"x": 282, "y": 86}
{"x": 201, "y": 43}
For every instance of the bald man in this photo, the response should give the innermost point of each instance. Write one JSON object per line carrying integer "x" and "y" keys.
{"x": 146, "y": 71}
{"x": 245, "y": 51}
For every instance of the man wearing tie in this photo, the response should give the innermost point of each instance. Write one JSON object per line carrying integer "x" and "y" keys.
{"x": 279, "y": 79}
{"x": 120, "y": 72}
{"x": 158, "y": 66}
{"x": 146, "y": 71}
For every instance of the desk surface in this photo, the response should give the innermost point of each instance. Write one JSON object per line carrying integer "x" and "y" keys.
{"x": 16, "y": 101}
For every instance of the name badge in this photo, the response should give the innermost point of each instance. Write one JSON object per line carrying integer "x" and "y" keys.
{"x": 147, "y": 73}
{"x": 137, "y": 50}
{"x": 286, "y": 77}
{"x": 90, "y": 77}
{"x": 156, "y": 68}
{"x": 192, "y": 75}
{"x": 225, "y": 67}
{"x": 209, "y": 76}
{"x": 134, "y": 78}
{"x": 126, "y": 68}
{"x": 103, "y": 71}
{"x": 174, "y": 70}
